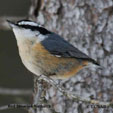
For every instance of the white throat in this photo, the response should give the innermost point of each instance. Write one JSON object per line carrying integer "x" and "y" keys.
{"x": 27, "y": 34}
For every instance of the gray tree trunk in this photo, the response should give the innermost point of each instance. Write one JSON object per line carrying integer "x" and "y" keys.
{"x": 88, "y": 25}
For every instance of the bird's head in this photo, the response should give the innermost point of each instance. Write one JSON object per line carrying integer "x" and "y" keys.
{"x": 26, "y": 29}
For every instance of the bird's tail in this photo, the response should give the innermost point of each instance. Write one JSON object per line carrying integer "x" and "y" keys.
{"x": 95, "y": 64}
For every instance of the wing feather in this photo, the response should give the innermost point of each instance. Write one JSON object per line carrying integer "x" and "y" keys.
{"x": 56, "y": 45}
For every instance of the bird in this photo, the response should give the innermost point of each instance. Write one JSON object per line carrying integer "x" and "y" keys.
{"x": 44, "y": 52}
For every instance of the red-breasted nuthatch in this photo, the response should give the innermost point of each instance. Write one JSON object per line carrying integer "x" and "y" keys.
{"x": 46, "y": 53}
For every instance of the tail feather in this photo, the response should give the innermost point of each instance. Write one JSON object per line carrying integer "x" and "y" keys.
{"x": 95, "y": 63}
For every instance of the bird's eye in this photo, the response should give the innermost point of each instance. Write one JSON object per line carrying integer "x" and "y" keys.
{"x": 37, "y": 34}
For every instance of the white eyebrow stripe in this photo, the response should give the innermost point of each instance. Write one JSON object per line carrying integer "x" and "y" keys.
{"x": 29, "y": 23}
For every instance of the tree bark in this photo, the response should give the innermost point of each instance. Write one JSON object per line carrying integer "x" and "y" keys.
{"x": 88, "y": 25}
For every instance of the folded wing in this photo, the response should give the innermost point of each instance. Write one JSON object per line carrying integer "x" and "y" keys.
{"x": 57, "y": 46}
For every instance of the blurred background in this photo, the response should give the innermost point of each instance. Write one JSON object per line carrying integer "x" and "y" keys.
{"x": 88, "y": 25}
{"x": 12, "y": 73}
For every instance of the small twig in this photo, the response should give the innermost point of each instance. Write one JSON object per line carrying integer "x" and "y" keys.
{"x": 5, "y": 107}
{"x": 73, "y": 96}
{"x": 7, "y": 91}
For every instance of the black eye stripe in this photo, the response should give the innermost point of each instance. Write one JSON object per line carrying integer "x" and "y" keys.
{"x": 36, "y": 28}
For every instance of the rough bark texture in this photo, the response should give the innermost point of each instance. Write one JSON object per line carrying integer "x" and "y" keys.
{"x": 88, "y": 25}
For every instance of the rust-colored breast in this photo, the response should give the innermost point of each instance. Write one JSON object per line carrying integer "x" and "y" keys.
{"x": 75, "y": 69}
{"x": 44, "y": 56}
{"x": 56, "y": 66}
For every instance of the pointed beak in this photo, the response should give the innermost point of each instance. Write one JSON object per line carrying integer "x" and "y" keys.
{"x": 12, "y": 24}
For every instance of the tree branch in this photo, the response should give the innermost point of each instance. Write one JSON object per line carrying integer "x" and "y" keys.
{"x": 73, "y": 96}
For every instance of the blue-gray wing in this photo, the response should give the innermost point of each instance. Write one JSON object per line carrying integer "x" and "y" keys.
{"x": 56, "y": 45}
